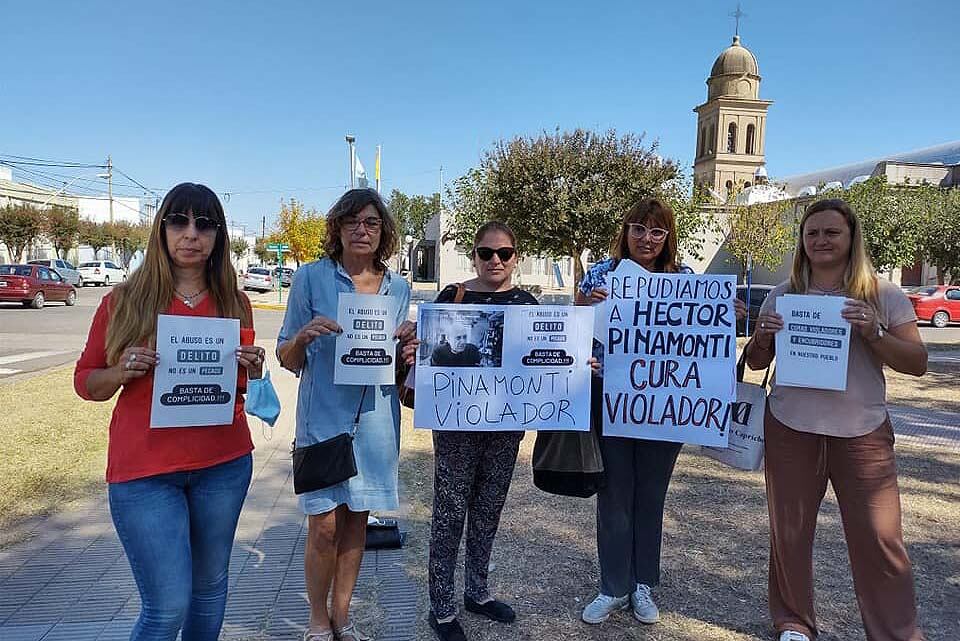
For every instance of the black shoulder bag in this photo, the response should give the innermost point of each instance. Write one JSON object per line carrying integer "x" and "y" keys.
{"x": 328, "y": 462}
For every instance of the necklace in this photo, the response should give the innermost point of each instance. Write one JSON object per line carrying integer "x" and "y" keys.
{"x": 829, "y": 291}
{"x": 188, "y": 299}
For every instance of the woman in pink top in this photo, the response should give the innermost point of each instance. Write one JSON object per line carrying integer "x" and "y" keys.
{"x": 814, "y": 435}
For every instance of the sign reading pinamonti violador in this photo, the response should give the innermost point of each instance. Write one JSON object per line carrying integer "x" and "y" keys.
{"x": 669, "y": 356}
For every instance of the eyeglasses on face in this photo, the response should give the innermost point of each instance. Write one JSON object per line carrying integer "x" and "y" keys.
{"x": 639, "y": 231}
{"x": 504, "y": 253}
{"x": 372, "y": 223}
{"x": 179, "y": 222}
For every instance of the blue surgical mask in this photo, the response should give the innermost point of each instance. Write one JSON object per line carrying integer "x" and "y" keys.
{"x": 262, "y": 400}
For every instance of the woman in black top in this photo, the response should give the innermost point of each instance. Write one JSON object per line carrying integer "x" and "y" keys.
{"x": 473, "y": 469}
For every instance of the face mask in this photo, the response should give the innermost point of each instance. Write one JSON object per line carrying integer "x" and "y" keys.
{"x": 262, "y": 400}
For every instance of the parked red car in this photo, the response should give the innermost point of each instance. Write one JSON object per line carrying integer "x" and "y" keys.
{"x": 34, "y": 285}
{"x": 938, "y": 304}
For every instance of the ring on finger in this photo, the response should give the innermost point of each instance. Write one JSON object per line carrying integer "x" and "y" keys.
{"x": 133, "y": 357}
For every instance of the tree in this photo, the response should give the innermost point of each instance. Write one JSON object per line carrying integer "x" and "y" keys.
{"x": 413, "y": 213}
{"x": 20, "y": 225}
{"x": 761, "y": 233}
{"x": 304, "y": 230}
{"x": 61, "y": 226}
{"x": 941, "y": 233}
{"x": 239, "y": 247}
{"x": 128, "y": 238}
{"x": 96, "y": 235}
{"x": 261, "y": 251}
{"x": 562, "y": 193}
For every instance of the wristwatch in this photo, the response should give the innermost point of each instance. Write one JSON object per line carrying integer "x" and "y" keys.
{"x": 877, "y": 335}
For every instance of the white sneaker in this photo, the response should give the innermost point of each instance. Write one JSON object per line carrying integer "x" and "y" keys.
{"x": 644, "y": 609}
{"x": 600, "y": 609}
{"x": 793, "y": 635}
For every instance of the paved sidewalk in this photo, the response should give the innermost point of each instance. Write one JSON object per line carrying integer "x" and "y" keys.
{"x": 72, "y": 581}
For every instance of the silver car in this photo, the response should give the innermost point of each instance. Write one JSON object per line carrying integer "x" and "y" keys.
{"x": 258, "y": 278}
{"x": 64, "y": 268}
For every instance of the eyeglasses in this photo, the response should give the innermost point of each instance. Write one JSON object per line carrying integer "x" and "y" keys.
{"x": 639, "y": 231}
{"x": 504, "y": 253}
{"x": 179, "y": 222}
{"x": 372, "y": 223}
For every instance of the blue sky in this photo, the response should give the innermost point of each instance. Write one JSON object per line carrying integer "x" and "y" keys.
{"x": 256, "y": 97}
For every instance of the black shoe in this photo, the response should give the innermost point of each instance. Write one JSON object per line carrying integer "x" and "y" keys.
{"x": 496, "y": 610}
{"x": 450, "y": 631}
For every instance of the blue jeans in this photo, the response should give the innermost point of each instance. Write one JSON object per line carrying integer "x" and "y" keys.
{"x": 177, "y": 530}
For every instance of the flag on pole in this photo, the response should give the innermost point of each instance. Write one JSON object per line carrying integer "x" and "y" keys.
{"x": 376, "y": 169}
{"x": 360, "y": 174}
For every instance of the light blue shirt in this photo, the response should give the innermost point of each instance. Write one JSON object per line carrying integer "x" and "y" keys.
{"x": 324, "y": 409}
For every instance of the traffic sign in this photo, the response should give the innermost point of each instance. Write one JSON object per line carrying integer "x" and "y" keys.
{"x": 275, "y": 247}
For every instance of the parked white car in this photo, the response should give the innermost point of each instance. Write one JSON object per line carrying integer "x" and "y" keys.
{"x": 101, "y": 272}
{"x": 64, "y": 268}
{"x": 258, "y": 278}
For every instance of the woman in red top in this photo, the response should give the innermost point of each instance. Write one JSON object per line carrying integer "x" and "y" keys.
{"x": 175, "y": 493}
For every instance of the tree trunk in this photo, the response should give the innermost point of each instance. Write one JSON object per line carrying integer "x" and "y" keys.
{"x": 578, "y": 270}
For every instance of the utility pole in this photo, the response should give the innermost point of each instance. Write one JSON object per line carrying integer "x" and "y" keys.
{"x": 263, "y": 228}
{"x": 113, "y": 246}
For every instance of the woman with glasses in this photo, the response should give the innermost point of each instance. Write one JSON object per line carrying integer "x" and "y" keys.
{"x": 360, "y": 236}
{"x": 638, "y": 471}
{"x": 473, "y": 470}
{"x": 812, "y": 436}
{"x": 175, "y": 493}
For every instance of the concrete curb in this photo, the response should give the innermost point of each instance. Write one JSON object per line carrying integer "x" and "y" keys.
{"x": 274, "y": 306}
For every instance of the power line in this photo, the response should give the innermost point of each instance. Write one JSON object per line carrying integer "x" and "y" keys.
{"x": 53, "y": 163}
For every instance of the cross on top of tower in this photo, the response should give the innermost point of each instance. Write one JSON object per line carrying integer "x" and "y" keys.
{"x": 738, "y": 14}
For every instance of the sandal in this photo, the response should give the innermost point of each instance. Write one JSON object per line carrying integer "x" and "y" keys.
{"x": 326, "y": 635}
{"x": 350, "y": 633}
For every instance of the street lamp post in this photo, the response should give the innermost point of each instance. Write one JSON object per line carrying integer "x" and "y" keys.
{"x": 350, "y": 141}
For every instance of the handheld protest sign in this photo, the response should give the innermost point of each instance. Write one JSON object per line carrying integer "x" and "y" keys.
{"x": 366, "y": 349}
{"x": 814, "y": 345}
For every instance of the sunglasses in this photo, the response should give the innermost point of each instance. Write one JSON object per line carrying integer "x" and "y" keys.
{"x": 639, "y": 231}
{"x": 504, "y": 253}
{"x": 179, "y": 222}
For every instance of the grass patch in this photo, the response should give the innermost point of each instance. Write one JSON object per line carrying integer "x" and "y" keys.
{"x": 52, "y": 447}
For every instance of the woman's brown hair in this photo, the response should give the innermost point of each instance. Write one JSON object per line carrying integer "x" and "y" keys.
{"x": 493, "y": 226}
{"x": 351, "y": 204}
{"x": 650, "y": 211}
{"x": 149, "y": 290}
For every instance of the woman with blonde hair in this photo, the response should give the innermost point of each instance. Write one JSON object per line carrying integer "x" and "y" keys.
{"x": 813, "y": 436}
{"x": 175, "y": 493}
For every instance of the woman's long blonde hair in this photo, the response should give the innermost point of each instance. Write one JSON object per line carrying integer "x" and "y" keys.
{"x": 135, "y": 304}
{"x": 859, "y": 279}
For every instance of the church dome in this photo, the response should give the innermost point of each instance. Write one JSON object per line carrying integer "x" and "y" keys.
{"x": 735, "y": 59}
{"x": 735, "y": 73}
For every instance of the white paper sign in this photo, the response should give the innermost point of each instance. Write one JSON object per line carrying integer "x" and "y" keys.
{"x": 503, "y": 367}
{"x": 366, "y": 350}
{"x": 814, "y": 345}
{"x": 669, "y": 356}
{"x": 195, "y": 382}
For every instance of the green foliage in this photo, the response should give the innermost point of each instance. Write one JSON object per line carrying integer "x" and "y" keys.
{"x": 239, "y": 247}
{"x": 304, "y": 230}
{"x": 61, "y": 226}
{"x": 128, "y": 238}
{"x": 20, "y": 225}
{"x": 261, "y": 251}
{"x": 413, "y": 212}
{"x": 96, "y": 235}
{"x": 762, "y": 232}
{"x": 562, "y": 192}
{"x": 941, "y": 237}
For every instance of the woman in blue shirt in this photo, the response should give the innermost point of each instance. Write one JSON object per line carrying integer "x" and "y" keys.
{"x": 361, "y": 235}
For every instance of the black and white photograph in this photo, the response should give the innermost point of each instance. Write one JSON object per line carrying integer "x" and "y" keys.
{"x": 461, "y": 338}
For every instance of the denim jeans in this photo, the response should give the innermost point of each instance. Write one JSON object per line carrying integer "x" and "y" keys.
{"x": 177, "y": 530}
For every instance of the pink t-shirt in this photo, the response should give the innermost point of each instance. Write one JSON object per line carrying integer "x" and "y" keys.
{"x": 860, "y": 409}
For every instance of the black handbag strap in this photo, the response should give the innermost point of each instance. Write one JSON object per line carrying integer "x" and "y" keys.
{"x": 741, "y": 366}
{"x": 356, "y": 419}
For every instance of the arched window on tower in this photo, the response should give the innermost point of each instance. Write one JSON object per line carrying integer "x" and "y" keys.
{"x": 712, "y": 139}
{"x": 751, "y": 134}
{"x": 732, "y": 138}
{"x": 700, "y": 141}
